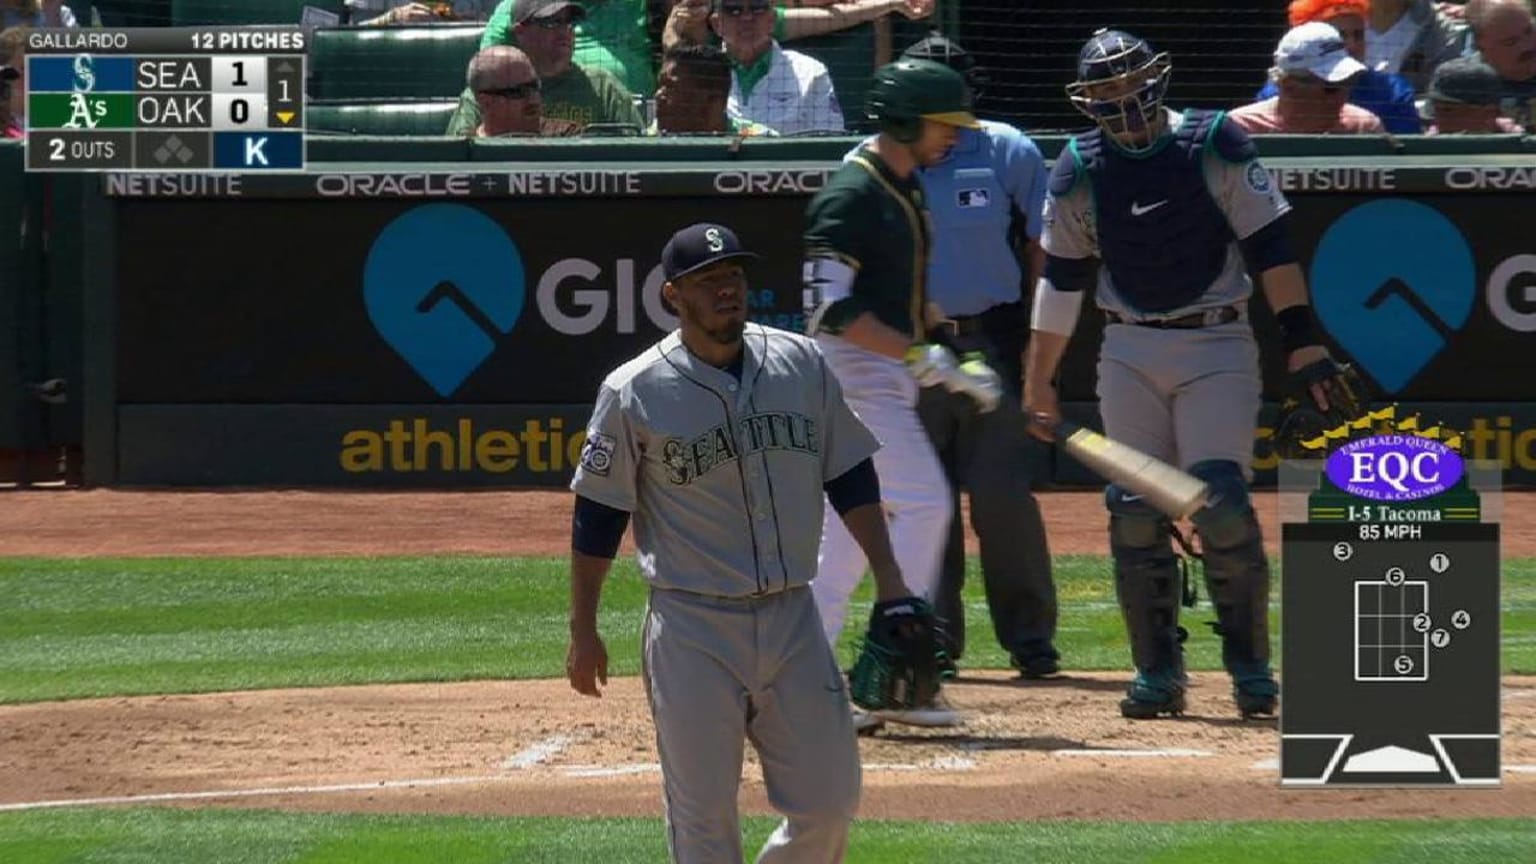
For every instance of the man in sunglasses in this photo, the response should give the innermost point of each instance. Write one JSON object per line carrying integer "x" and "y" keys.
{"x": 545, "y": 31}
{"x": 1313, "y": 73}
{"x": 507, "y": 90}
{"x": 1382, "y": 93}
{"x": 782, "y": 89}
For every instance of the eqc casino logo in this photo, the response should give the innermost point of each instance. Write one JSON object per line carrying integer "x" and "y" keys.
{"x": 1392, "y": 281}
{"x": 440, "y": 284}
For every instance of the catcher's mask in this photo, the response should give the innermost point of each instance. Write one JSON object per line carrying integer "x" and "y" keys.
{"x": 1136, "y": 79}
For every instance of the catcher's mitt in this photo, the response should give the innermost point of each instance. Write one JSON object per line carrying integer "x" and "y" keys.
{"x": 898, "y": 666}
{"x": 1305, "y": 430}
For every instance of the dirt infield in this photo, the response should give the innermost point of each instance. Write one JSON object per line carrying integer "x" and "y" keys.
{"x": 1041, "y": 750}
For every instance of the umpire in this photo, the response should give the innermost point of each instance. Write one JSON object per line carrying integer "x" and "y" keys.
{"x": 986, "y": 199}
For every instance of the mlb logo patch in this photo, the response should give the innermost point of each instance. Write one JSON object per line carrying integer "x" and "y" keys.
{"x": 969, "y": 198}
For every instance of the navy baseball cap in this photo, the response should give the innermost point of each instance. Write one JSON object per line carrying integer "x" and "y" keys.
{"x": 1467, "y": 80}
{"x": 699, "y": 246}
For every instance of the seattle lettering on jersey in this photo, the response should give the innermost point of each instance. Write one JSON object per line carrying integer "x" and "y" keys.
{"x": 687, "y": 461}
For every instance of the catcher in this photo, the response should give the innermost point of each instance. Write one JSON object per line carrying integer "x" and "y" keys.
{"x": 1160, "y": 215}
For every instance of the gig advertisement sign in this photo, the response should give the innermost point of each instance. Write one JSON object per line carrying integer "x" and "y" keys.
{"x": 369, "y": 302}
{"x": 441, "y": 306}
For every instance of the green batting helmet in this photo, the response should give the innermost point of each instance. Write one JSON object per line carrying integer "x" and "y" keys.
{"x": 906, "y": 92}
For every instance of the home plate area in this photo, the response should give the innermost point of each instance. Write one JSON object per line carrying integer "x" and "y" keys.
{"x": 1028, "y": 750}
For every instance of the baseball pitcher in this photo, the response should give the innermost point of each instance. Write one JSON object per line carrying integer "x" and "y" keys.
{"x": 722, "y": 440}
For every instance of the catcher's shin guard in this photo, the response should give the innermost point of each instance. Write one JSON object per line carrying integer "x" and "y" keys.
{"x": 1237, "y": 580}
{"x": 1149, "y": 586}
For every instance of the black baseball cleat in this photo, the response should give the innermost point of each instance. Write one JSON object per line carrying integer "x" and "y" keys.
{"x": 1254, "y": 690}
{"x": 1037, "y": 667}
{"x": 1251, "y": 706}
{"x": 1153, "y": 695}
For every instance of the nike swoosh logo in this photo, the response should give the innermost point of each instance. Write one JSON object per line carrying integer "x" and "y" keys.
{"x": 1138, "y": 210}
{"x": 1129, "y": 498}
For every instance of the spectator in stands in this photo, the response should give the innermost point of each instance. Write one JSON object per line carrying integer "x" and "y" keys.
{"x": 1410, "y": 38}
{"x": 777, "y": 87}
{"x": 1505, "y": 38}
{"x": 612, "y": 36}
{"x": 1464, "y": 95}
{"x": 545, "y": 29}
{"x": 1388, "y": 96}
{"x": 507, "y": 90}
{"x": 1312, "y": 75}
{"x": 36, "y": 13}
{"x": 11, "y": 128}
{"x": 688, "y": 20}
{"x": 13, "y": 54}
{"x": 384, "y": 13}
{"x": 693, "y": 92}
{"x": 381, "y": 13}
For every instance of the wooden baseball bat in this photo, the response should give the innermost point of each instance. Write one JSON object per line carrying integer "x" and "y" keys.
{"x": 1173, "y": 492}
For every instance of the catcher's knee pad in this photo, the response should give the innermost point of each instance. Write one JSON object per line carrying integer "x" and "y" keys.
{"x": 1148, "y": 581}
{"x": 1227, "y": 520}
{"x": 1236, "y": 568}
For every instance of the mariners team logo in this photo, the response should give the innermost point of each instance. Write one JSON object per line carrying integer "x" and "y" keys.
{"x": 1257, "y": 178}
{"x": 597, "y": 454}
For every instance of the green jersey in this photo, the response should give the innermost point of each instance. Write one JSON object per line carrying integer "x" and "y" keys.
{"x": 875, "y": 223}
{"x": 613, "y": 37}
{"x": 581, "y": 96}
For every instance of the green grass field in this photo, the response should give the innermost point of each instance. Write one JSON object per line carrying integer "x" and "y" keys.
{"x": 74, "y": 628}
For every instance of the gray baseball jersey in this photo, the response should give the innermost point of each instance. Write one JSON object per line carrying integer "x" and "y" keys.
{"x": 1244, "y": 192}
{"x": 724, "y": 477}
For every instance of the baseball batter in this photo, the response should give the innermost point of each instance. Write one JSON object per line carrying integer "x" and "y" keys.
{"x": 866, "y": 245}
{"x": 722, "y": 440}
{"x": 1176, "y": 207}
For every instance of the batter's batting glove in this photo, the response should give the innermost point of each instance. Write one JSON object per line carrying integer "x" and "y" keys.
{"x": 980, "y": 382}
{"x": 931, "y": 364}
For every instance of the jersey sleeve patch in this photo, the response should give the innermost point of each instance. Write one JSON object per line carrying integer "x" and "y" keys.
{"x": 1257, "y": 179}
{"x": 597, "y": 453}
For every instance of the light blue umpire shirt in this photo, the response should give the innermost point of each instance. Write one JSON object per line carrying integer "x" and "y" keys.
{"x": 972, "y": 195}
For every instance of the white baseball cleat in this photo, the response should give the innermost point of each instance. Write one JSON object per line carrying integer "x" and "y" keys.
{"x": 937, "y": 714}
{"x": 865, "y": 722}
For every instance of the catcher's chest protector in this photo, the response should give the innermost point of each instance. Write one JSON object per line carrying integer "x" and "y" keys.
{"x": 1162, "y": 236}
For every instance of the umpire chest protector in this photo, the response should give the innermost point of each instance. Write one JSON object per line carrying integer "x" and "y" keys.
{"x": 1161, "y": 233}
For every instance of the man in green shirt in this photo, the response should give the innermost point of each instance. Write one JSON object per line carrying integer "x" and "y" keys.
{"x": 612, "y": 36}
{"x": 866, "y": 246}
{"x": 544, "y": 30}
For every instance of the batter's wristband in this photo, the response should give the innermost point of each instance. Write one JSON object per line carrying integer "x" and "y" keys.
{"x": 1296, "y": 327}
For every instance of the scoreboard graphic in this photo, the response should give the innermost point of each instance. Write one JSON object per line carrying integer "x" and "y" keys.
{"x": 172, "y": 99}
{"x": 1390, "y": 624}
